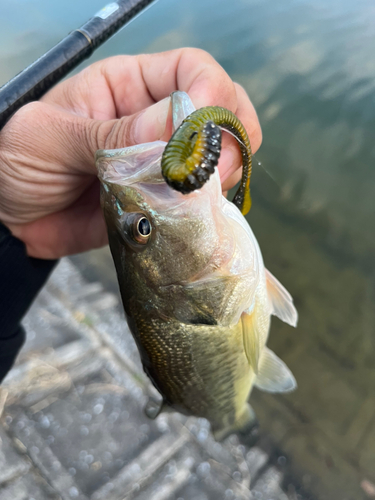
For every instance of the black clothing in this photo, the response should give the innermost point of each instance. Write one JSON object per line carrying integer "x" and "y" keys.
{"x": 21, "y": 278}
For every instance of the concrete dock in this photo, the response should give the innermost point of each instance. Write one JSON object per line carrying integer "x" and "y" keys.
{"x": 72, "y": 422}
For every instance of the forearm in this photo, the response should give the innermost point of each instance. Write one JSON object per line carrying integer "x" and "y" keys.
{"x": 21, "y": 278}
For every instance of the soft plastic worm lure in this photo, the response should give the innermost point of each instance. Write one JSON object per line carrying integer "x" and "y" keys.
{"x": 193, "y": 151}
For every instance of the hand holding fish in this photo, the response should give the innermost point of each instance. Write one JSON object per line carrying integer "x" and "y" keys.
{"x": 49, "y": 193}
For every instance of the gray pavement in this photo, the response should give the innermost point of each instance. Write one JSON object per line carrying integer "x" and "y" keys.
{"x": 72, "y": 424}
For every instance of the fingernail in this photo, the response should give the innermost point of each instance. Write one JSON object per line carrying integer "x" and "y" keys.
{"x": 226, "y": 163}
{"x": 150, "y": 124}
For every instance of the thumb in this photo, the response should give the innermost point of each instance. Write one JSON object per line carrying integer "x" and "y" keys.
{"x": 69, "y": 142}
{"x": 150, "y": 124}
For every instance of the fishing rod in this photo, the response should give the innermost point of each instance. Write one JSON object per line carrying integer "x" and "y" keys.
{"x": 34, "y": 81}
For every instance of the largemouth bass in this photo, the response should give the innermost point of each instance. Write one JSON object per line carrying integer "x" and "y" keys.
{"x": 196, "y": 294}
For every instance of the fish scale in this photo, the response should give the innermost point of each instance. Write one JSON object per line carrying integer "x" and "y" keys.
{"x": 183, "y": 375}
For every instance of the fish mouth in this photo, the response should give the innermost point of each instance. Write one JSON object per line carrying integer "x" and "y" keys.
{"x": 127, "y": 152}
{"x": 134, "y": 164}
{"x": 110, "y": 153}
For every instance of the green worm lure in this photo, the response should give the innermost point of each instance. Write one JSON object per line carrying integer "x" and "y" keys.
{"x": 193, "y": 151}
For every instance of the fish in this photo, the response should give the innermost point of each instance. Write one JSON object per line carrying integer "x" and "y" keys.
{"x": 197, "y": 297}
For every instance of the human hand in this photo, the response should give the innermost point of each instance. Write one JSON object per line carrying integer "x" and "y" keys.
{"x": 49, "y": 192}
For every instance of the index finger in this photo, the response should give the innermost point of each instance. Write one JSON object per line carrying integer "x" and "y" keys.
{"x": 128, "y": 84}
{"x": 191, "y": 70}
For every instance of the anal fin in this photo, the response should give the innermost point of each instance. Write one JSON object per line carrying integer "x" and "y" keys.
{"x": 246, "y": 426}
{"x": 274, "y": 375}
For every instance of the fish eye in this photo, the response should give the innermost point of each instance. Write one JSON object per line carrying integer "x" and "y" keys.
{"x": 138, "y": 228}
{"x": 143, "y": 227}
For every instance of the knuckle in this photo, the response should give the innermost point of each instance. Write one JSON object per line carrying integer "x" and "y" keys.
{"x": 25, "y": 119}
{"x": 31, "y": 112}
{"x": 240, "y": 89}
{"x": 16, "y": 132}
{"x": 123, "y": 132}
{"x": 93, "y": 133}
{"x": 88, "y": 136}
{"x": 115, "y": 133}
{"x": 199, "y": 54}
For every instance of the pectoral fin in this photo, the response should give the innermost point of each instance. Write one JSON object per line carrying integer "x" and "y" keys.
{"x": 273, "y": 374}
{"x": 251, "y": 339}
{"x": 153, "y": 408}
{"x": 281, "y": 300}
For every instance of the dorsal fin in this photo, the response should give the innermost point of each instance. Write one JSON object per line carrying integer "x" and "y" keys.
{"x": 281, "y": 300}
{"x": 273, "y": 374}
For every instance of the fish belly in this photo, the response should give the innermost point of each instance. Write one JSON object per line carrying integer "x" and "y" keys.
{"x": 199, "y": 370}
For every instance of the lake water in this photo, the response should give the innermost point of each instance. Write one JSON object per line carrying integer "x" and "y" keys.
{"x": 309, "y": 68}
